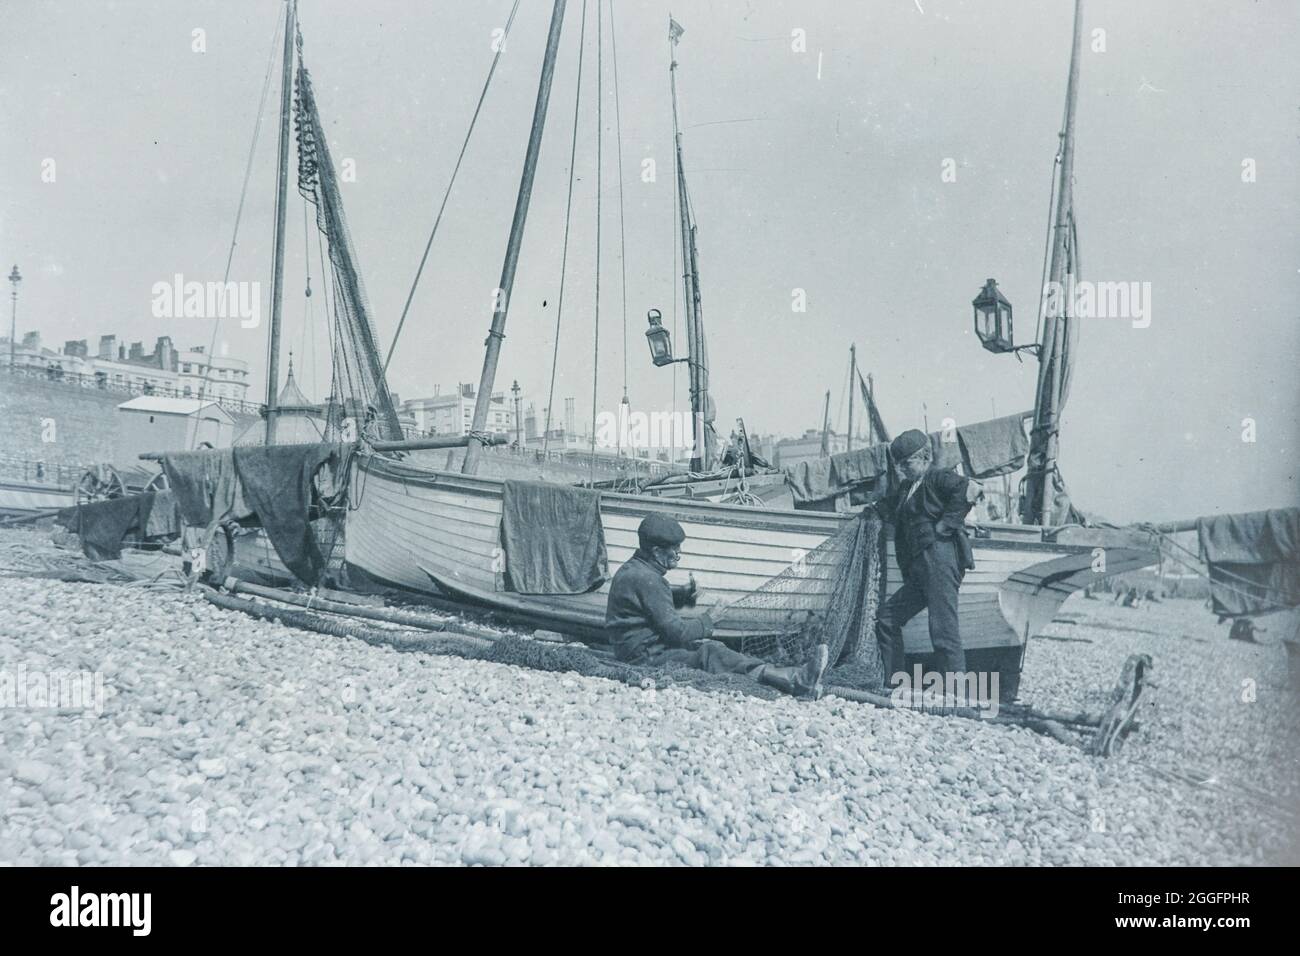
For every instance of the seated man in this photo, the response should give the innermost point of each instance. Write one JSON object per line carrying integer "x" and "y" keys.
{"x": 645, "y": 627}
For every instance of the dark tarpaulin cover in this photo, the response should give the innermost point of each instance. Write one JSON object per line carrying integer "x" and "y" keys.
{"x": 276, "y": 484}
{"x": 553, "y": 538}
{"x": 1254, "y": 560}
{"x": 103, "y": 525}
{"x": 984, "y": 450}
{"x": 205, "y": 485}
{"x": 164, "y": 516}
{"x": 811, "y": 481}
{"x": 996, "y": 447}
{"x": 859, "y": 465}
{"x": 946, "y": 450}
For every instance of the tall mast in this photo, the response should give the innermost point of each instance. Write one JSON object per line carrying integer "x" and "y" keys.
{"x": 826, "y": 427}
{"x": 698, "y": 379}
{"x": 853, "y": 380}
{"x": 1044, "y": 441}
{"x": 281, "y": 188}
{"x": 482, "y": 401}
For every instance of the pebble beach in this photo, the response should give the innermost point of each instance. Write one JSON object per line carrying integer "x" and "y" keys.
{"x": 217, "y": 739}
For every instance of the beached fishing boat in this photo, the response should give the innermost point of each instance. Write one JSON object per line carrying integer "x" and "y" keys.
{"x": 440, "y": 532}
{"x": 430, "y": 530}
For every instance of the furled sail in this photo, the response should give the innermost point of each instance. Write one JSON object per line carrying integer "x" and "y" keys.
{"x": 1046, "y": 500}
{"x": 877, "y": 430}
{"x": 359, "y": 389}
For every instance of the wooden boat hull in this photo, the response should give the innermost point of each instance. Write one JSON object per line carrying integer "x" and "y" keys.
{"x": 27, "y": 497}
{"x": 439, "y": 532}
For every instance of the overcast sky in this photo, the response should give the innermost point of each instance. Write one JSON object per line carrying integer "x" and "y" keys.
{"x": 818, "y": 170}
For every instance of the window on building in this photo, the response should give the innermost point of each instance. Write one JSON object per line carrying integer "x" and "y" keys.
{"x": 185, "y": 367}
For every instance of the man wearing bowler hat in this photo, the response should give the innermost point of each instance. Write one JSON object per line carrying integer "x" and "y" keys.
{"x": 929, "y": 510}
{"x": 645, "y": 627}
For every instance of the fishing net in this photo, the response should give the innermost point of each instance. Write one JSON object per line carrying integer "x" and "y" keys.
{"x": 360, "y": 392}
{"x": 829, "y": 595}
{"x": 576, "y": 659}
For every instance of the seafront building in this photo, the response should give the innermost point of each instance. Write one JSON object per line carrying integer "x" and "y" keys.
{"x": 114, "y": 365}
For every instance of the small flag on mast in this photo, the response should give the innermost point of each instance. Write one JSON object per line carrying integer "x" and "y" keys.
{"x": 675, "y": 31}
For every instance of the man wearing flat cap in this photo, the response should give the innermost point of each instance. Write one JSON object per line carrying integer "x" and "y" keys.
{"x": 645, "y": 626}
{"x": 929, "y": 511}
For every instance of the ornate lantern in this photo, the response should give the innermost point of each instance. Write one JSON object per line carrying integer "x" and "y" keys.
{"x": 661, "y": 346}
{"x": 993, "y": 319}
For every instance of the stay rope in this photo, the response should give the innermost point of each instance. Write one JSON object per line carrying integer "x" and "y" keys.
{"x": 1195, "y": 568}
{"x": 243, "y": 194}
{"x": 622, "y": 235}
{"x": 568, "y": 214}
{"x": 496, "y": 58}
{"x": 600, "y": 138}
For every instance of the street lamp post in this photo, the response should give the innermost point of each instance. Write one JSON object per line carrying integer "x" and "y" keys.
{"x": 514, "y": 389}
{"x": 14, "y": 279}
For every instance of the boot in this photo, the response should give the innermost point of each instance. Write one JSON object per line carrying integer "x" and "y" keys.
{"x": 803, "y": 681}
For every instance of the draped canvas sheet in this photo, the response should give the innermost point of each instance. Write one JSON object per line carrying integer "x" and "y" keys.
{"x": 983, "y": 449}
{"x": 553, "y": 538}
{"x": 270, "y": 482}
{"x": 1254, "y": 560}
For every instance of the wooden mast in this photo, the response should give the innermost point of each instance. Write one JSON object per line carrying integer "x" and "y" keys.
{"x": 826, "y": 427}
{"x": 698, "y": 373}
{"x": 1044, "y": 442}
{"x": 501, "y": 303}
{"x": 281, "y": 190}
{"x": 853, "y": 381}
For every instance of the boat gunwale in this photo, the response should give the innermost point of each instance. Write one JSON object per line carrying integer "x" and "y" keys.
{"x": 711, "y": 512}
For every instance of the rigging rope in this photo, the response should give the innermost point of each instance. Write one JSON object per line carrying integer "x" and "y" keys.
{"x": 600, "y": 138}
{"x": 568, "y": 211}
{"x": 243, "y": 194}
{"x": 1294, "y": 599}
{"x": 309, "y": 313}
{"x": 839, "y": 413}
{"x": 329, "y": 329}
{"x": 677, "y": 222}
{"x": 452, "y": 182}
{"x": 1047, "y": 247}
{"x": 622, "y": 235}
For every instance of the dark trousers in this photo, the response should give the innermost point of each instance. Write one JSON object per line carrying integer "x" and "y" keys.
{"x": 930, "y": 582}
{"x": 711, "y": 656}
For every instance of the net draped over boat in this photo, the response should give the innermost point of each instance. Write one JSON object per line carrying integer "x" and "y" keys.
{"x": 828, "y": 595}
{"x": 360, "y": 391}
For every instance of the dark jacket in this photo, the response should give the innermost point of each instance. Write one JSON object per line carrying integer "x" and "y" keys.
{"x": 642, "y": 611}
{"x": 937, "y": 510}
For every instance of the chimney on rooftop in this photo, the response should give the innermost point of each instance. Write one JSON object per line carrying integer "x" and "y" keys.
{"x": 530, "y": 422}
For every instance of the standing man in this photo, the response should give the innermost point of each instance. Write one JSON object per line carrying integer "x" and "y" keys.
{"x": 929, "y": 510}
{"x": 645, "y": 627}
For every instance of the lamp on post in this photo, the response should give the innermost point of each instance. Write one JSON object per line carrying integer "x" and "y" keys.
{"x": 514, "y": 390}
{"x": 661, "y": 345}
{"x": 14, "y": 279}
{"x": 993, "y": 319}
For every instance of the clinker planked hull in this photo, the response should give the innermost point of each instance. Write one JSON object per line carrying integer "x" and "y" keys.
{"x": 413, "y": 525}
